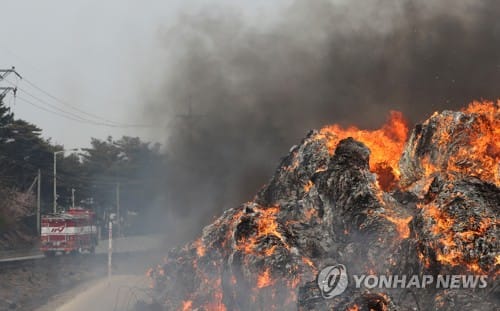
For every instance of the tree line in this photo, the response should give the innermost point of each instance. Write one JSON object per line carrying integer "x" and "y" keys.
{"x": 95, "y": 172}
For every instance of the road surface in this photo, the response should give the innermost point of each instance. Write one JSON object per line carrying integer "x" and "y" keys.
{"x": 116, "y": 294}
{"x": 29, "y": 284}
{"x": 120, "y": 245}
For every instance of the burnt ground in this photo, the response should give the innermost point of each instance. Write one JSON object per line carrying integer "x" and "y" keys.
{"x": 29, "y": 284}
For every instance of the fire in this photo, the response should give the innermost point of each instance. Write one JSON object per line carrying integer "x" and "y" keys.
{"x": 293, "y": 283}
{"x": 478, "y": 157}
{"x": 475, "y": 154}
{"x": 400, "y": 221}
{"x": 259, "y": 232}
{"x": 150, "y": 274}
{"x": 442, "y": 227}
{"x": 264, "y": 279}
{"x": 443, "y": 223}
{"x": 308, "y": 186}
{"x": 187, "y": 305}
{"x": 266, "y": 225}
{"x": 160, "y": 270}
{"x": 447, "y": 251}
{"x": 485, "y": 152}
{"x": 215, "y": 301}
{"x": 353, "y": 308}
{"x": 386, "y": 145}
{"x": 401, "y": 225}
{"x": 310, "y": 213}
{"x": 216, "y": 304}
{"x": 270, "y": 251}
{"x": 309, "y": 262}
{"x": 200, "y": 248}
{"x": 294, "y": 165}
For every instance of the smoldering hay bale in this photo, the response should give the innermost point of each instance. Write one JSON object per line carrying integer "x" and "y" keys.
{"x": 325, "y": 206}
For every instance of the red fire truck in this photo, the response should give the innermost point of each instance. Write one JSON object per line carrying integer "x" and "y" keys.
{"x": 72, "y": 231}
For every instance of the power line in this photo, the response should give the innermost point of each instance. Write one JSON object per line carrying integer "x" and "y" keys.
{"x": 4, "y": 90}
{"x": 65, "y": 103}
{"x": 71, "y": 115}
{"x": 95, "y": 116}
{"x": 50, "y": 111}
{"x": 62, "y": 113}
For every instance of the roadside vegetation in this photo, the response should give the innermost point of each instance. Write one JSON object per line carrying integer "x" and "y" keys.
{"x": 95, "y": 173}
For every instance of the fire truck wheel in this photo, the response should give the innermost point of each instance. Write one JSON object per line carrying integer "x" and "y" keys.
{"x": 49, "y": 253}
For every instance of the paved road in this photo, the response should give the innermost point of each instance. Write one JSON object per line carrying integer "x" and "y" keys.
{"x": 27, "y": 283}
{"x": 132, "y": 244}
{"x": 18, "y": 257}
{"x": 120, "y": 245}
{"x": 119, "y": 293}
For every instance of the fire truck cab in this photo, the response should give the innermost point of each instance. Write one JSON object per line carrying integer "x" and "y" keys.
{"x": 72, "y": 231}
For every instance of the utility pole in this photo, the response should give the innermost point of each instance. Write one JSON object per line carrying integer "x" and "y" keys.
{"x": 5, "y": 72}
{"x": 4, "y": 90}
{"x": 118, "y": 208}
{"x": 110, "y": 248}
{"x": 37, "y": 180}
{"x": 190, "y": 119}
{"x": 73, "y": 197}
{"x": 55, "y": 183}
{"x": 38, "y": 209}
{"x": 55, "y": 176}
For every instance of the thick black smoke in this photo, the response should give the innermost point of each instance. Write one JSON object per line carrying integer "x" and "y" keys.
{"x": 256, "y": 90}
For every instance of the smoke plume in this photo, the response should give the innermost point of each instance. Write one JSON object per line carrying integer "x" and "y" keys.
{"x": 255, "y": 89}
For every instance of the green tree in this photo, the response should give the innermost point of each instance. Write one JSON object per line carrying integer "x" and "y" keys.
{"x": 138, "y": 167}
{"x": 22, "y": 150}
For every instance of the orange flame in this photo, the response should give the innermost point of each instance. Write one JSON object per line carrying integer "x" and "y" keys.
{"x": 401, "y": 225}
{"x": 447, "y": 251}
{"x": 386, "y": 145}
{"x": 200, "y": 248}
{"x": 187, "y": 305}
{"x": 309, "y": 213}
{"x": 478, "y": 156}
{"x": 481, "y": 155}
{"x": 309, "y": 262}
{"x": 216, "y": 303}
{"x": 264, "y": 279}
{"x": 308, "y": 186}
{"x": 266, "y": 225}
{"x": 353, "y": 308}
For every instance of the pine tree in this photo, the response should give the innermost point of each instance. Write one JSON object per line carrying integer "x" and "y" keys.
{"x": 6, "y": 118}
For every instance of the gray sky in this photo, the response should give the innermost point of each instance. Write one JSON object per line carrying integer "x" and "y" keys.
{"x": 101, "y": 56}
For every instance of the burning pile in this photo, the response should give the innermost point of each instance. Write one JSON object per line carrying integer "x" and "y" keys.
{"x": 375, "y": 201}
